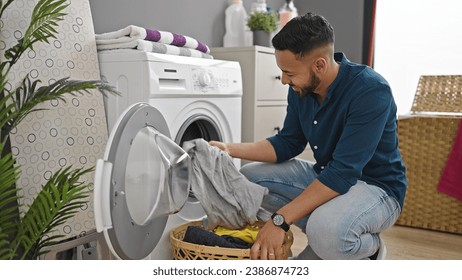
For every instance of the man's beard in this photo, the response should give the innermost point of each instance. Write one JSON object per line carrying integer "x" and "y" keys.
{"x": 311, "y": 87}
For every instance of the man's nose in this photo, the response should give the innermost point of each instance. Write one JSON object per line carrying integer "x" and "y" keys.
{"x": 284, "y": 79}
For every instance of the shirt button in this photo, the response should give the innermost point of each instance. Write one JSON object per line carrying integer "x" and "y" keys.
{"x": 315, "y": 122}
{"x": 322, "y": 167}
{"x": 315, "y": 147}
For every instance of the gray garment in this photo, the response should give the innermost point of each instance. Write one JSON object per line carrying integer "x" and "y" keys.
{"x": 228, "y": 198}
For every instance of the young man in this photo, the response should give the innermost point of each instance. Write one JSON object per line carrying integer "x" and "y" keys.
{"x": 346, "y": 113}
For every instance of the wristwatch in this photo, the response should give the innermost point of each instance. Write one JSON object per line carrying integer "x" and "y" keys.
{"x": 279, "y": 221}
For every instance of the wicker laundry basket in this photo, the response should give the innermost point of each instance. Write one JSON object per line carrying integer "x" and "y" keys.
{"x": 182, "y": 250}
{"x": 425, "y": 140}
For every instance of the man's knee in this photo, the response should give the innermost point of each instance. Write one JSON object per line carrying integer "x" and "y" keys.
{"x": 248, "y": 169}
{"x": 330, "y": 245}
{"x": 330, "y": 240}
{"x": 255, "y": 170}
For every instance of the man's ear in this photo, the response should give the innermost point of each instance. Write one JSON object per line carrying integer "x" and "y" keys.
{"x": 320, "y": 64}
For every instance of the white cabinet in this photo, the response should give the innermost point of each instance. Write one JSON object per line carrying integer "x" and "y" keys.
{"x": 264, "y": 99}
{"x": 268, "y": 120}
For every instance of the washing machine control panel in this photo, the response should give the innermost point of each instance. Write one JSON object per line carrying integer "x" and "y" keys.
{"x": 215, "y": 80}
{"x": 205, "y": 79}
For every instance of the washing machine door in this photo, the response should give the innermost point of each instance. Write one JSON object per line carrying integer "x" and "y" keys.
{"x": 143, "y": 178}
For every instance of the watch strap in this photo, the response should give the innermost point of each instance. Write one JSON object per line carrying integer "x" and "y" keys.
{"x": 284, "y": 225}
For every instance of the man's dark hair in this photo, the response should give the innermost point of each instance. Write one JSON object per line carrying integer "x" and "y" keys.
{"x": 303, "y": 34}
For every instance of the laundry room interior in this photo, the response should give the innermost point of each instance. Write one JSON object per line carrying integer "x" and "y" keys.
{"x": 122, "y": 123}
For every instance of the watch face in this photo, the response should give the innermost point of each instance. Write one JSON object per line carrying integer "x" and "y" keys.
{"x": 278, "y": 220}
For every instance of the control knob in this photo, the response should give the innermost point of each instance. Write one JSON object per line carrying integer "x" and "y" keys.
{"x": 205, "y": 79}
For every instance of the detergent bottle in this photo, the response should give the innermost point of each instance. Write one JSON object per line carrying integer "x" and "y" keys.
{"x": 259, "y": 7}
{"x": 237, "y": 33}
{"x": 287, "y": 12}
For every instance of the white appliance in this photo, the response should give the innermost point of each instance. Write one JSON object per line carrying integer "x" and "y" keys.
{"x": 141, "y": 186}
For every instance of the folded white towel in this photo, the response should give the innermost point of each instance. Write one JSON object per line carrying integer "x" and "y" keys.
{"x": 155, "y": 47}
{"x": 133, "y": 32}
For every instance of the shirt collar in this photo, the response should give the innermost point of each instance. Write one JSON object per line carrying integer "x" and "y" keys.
{"x": 341, "y": 58}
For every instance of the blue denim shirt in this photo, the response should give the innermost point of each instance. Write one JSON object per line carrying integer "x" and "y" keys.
{"x": 353, "y": 133}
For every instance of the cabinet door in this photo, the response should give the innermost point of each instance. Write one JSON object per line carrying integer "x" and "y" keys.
{"x": 268, "y": 79}
{"x": 268, "y": 119}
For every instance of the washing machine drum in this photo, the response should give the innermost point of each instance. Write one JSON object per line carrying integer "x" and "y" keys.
{"x": 143, "y": 178}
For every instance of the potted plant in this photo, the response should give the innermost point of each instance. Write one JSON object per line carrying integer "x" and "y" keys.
{"x": 24, "y": 235}
{"x": 262, "y": 24}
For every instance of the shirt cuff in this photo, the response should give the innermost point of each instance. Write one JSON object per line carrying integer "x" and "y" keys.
{"x": 334, "y": 181}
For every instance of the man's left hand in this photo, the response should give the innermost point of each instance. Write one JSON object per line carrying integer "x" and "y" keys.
{"x": 268, "y": 245}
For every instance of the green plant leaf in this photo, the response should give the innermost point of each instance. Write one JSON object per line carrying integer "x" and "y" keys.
{"x": 45, "y": 16}
{"x": 4, "y": 6}
{"x": 61, "y": 196}
{"x": 27, "y": 96}
{"x": 262, "y": 21}
{"x": 25, "y": 236}
{"x": 6, "y": 114}
{"x": 8, "y": 202}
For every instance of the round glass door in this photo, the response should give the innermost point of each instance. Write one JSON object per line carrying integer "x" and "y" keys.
{"x": 157, "y": 176}
{"x": 143, "y": 178}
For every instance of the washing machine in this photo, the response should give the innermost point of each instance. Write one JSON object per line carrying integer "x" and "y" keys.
{"x": 142, "y": 185}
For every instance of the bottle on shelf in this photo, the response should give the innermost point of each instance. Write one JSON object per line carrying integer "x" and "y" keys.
{"x": 287, "y": 12}
{"x": 237, "y": 33}
{"x": 258, "y": 7}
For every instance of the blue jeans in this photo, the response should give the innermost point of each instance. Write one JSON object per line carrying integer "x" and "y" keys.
{"x": 346, "y": 227}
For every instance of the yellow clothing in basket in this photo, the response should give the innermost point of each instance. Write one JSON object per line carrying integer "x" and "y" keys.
{"x": 247, "y": 234}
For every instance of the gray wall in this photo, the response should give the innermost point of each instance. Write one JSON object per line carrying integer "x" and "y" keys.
{"x": 346, "y": 18}
{"x": 204, "y": 19}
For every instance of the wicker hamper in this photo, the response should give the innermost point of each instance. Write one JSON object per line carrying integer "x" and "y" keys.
{"x": 182, "y": 250}
{"x": 425, "y": 140}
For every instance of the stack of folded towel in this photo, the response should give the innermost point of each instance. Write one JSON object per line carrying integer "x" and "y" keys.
{"x": 151, "y": 40}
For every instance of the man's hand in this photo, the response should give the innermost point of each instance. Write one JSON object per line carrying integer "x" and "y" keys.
{"x": 220, "y": 145}
{"x": 268, "y": 245}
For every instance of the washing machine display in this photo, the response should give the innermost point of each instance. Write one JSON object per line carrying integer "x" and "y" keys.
{"x": 207, "y": 81}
